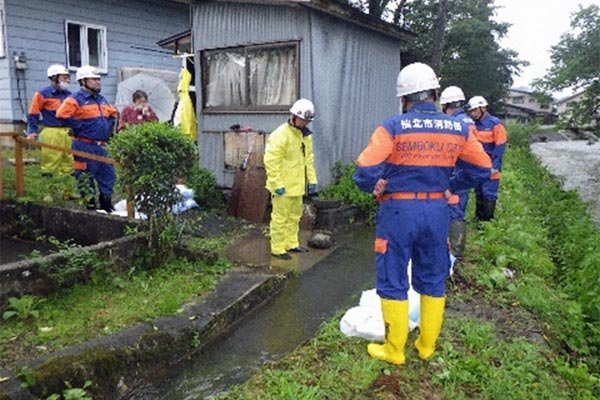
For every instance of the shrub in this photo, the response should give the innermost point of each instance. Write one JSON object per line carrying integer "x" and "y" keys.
{"x": 345, "y": 190}
{"x": 204, "y": 184}
{"x": 152, "y": 157}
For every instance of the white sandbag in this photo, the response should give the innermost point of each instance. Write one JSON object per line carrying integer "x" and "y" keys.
{"x": 366, "y": 320}
{"x": 187, "y": 203}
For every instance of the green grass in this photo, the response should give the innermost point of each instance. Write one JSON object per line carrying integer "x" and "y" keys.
{"x": 38, "y": 189}
{"x": 473, "y": 361}
{"x": 108, "y": 304}
{"x": 538, "y": 339}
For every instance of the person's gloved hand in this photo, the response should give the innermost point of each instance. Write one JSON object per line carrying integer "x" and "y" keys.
{"x": 312, "y": 189}
{"x": 280, "y": 191}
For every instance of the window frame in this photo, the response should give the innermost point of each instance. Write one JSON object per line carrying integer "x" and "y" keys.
{"x": 2, "y": 34}
{"x": 247, "y": 108}
{"x": 83, "y": 45}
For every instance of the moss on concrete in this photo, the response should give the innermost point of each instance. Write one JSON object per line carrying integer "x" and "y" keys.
{"x": 97, "y": 365}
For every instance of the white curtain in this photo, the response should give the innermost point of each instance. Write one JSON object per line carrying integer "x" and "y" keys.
{"x": 273, "y": 76}
{"x": 226, "y": 80}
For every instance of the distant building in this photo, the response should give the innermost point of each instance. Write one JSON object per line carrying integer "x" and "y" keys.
{"x": 523, "y": 106}
{"x": 117, "y": 37}
{"x": 562, "y": 105}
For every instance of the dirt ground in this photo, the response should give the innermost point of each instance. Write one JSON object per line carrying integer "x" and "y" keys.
{"x": 577, "y": 163}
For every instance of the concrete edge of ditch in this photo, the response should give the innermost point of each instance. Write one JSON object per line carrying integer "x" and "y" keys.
{"x": 31, "y": 276}
{"x": 114, "y": 363}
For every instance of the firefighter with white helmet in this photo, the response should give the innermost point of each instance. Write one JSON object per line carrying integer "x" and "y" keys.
{"x": 452, "y": 101}
{"x": 290, "y": 166}
{"x": 91, "y": 118}
{"x": 407, "y": 166}
{"x": 44, "y": 104}
{"x": 492, "y": 135}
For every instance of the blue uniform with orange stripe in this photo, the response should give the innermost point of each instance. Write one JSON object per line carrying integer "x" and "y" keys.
{"x": 457, "y": 211}
{"x": 91, "y": 118}
{"x": 492, "y": 135}
{"x": 45, "y": 102}
{"x": 416, "y": 153}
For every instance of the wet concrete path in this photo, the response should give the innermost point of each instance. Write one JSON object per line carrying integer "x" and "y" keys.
{"x": 577, "y": 163}
{"x": 330, "y": 285}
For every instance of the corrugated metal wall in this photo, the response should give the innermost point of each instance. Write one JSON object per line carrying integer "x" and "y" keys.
{"x": 348, "y": 71}
{"x": 36, "y": 27}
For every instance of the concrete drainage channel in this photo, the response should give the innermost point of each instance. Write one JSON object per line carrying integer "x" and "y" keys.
{"x": 333, "y": 284}
{"x": 122, "y": 364}
{"x": 106, "y": 240}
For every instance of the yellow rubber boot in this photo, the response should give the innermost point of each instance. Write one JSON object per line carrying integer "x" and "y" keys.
{"x": 432, "y": 315}
{"x": 395, "y": 317}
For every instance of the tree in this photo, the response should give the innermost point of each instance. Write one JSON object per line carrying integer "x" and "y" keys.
{"x": 472, "y": 58}
{"x": 468, "y": 39}
{"x": 575, "y": 63}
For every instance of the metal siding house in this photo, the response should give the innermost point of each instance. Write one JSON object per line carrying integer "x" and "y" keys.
{"x": 121, "y": 34}
{"x": 347, "y": 64}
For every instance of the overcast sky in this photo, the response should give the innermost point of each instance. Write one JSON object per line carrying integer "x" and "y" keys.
{"x": 536, "y": 26}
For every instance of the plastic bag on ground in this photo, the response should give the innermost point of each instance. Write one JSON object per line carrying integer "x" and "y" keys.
{"x": 366, "y": 320}
{"x": 185, "y": 204}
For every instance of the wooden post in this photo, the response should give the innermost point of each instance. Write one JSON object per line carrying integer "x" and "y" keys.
{"x": 130, "y": 204}
{"x": 19, "y": 169}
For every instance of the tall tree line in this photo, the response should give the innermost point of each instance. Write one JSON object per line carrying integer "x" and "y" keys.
{"x": 576, "y": 65}
{"x": 458, "y": 38}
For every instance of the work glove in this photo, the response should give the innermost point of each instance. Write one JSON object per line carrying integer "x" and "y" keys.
{"x": 312, "y": 189}
{"x": 280, "y": 191}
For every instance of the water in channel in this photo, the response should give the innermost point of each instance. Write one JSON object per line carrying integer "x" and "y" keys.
{"x": 331, "y": 285}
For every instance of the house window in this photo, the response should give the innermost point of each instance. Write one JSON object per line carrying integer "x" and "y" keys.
{"x": 250, "y": 78}
{"x": 86, "y": 44}
{"x": 518, "y": 100}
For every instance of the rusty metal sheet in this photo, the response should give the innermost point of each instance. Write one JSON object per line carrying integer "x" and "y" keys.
{"x": 249, "y": 197}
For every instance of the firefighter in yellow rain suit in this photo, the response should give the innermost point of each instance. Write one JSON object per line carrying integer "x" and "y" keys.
{"x": 45, "y": 102}
{"x": 289, "y": 162}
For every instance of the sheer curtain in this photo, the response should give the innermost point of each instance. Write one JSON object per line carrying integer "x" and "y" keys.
{"x": 226, "y": 79}
{"x": 273, "y": 76}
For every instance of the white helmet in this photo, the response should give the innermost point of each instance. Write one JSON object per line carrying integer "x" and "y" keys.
{"x": 56, "y": 69}
{"x": 415, "y": 78}
{"x": 476, "y": 102}
{"x": 87, "y": 71}
{"x": 452, "y": 94}
{"x": 304, "y": 109}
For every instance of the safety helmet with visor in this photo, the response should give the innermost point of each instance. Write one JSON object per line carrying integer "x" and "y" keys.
{"x": 86, "y": 71}
{"x": 415, "y": 78}
{"x": 56, "y": 69}
{"x": 304, "y": 109}
{"x": 452, "y": 94}
{"x": 477, "y": 102}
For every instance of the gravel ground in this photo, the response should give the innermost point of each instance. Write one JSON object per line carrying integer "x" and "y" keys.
{"x": 578, "y": 164}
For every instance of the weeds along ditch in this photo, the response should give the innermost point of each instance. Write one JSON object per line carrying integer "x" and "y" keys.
{"x": 531, "y": 327}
